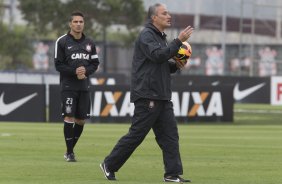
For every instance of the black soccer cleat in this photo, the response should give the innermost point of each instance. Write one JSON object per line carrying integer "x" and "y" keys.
{"x": 176, "y": 179}
{"x": 69, "y": 157}
{"x": 108, "y": 174}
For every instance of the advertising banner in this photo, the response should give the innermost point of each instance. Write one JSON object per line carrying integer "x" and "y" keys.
{"x": 112, "y": 103}
{"x": 22, "y": 102}
{"x": 108, "y": 79}
{"x": 55, "y": 103}
{"x": 276, "y": 90}
{"x": 245, "y": 89}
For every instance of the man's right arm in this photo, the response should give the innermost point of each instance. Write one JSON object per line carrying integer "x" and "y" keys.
{"x": 60, "y": 60}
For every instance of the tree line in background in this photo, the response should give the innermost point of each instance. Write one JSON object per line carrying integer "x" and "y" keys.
{"x": 49, "y": 19}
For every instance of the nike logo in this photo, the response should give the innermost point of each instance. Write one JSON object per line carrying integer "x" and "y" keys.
{"x": 107, "y": 173}
{"x": 215, "y": 83}
{"x": 8, "y": 108}
{"x": 173, "y": 180}
{"x": 103, "y": 167}
{"x": 69, "y": 47}
{"x": 240, "y": 94}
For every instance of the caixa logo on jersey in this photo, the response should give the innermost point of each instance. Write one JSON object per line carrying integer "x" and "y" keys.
{"x": 80, "y": 56}
{"x": 210, "y": 104}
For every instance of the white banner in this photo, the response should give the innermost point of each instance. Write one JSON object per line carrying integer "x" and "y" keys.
{"x": 276, "y": 90}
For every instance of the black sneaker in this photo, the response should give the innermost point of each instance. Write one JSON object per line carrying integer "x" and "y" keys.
{"x": 176, "y": 179}
{"x": 108, "y": 174}
{"x": 69, "y": 157}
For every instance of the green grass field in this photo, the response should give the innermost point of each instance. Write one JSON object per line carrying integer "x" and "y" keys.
{"x": 247, "y": 151}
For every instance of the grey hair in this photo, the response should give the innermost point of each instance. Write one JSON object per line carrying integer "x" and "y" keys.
{"x": 153, "y": 10}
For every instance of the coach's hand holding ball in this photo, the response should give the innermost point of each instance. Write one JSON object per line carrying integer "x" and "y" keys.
{"x": 185, "y": 51}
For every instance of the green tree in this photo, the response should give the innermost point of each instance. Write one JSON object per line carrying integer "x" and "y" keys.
{"x": 47, "y": 16}
{"x": 15, "y": 50}
{"x": 1, "y": 11}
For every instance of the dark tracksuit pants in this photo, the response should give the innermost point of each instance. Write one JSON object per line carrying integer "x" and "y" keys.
{"x": 158, "y": 115}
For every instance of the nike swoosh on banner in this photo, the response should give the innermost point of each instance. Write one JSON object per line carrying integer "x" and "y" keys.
{"x": 8, "y": 108}
{"x": 215, "y": 83}
{"x": 240, "y": 94}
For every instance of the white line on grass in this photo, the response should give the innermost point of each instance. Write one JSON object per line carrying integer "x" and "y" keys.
{"x": 258, "y": 111}
{"x": 5, "y": 134}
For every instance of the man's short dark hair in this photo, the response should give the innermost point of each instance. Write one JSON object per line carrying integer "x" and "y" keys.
{"x": 76, "y": 13}
{"x": 152, "y": 10}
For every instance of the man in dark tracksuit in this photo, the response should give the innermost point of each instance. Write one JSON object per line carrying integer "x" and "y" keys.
{"x": 75, "y": 59}
{"x": 151, "y": 94}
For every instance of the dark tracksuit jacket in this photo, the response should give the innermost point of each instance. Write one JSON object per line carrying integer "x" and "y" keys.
{"x": 151, "y": 69}
{"x": 69, "y": 55}
{"x": 151, "y": 94}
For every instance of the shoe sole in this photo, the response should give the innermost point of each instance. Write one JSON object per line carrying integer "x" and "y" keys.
{"x": 176, "y": 181}
{"x": 71, "y": 160}
{"x": 173, "y": 181}
{"x": 102, "y": 168}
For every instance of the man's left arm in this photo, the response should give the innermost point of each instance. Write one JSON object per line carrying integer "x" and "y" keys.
{"x": 172, "y": 66}
{"x": 175, "y": 65}
{"x": 93, "y": 62}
